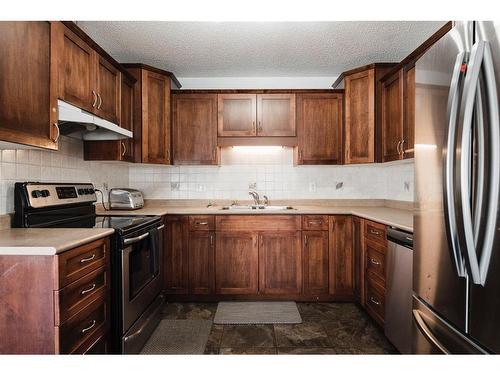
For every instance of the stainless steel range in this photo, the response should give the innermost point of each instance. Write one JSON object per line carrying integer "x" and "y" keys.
{"x": 136, "y": 252}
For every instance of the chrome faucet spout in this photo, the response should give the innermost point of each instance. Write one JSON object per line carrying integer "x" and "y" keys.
{"x": 255, "y": 196}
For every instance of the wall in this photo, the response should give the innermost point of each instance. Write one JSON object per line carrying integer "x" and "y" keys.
{"x": 274, "y": 175}
{"x": 66, "y": 165}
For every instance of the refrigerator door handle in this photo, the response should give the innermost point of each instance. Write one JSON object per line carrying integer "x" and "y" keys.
{"x": 449, "y": 163}
{"x": 427, "y": 332}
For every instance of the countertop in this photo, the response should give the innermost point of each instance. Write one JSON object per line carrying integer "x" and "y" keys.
{"x": 399, "y": 218}
{"x": 47, "y": 241}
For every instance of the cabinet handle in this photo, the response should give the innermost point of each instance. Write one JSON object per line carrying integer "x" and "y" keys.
{"x": 402, "y": 147}
{"x": 56, "y": 125}
{"x": 375, "y": 232}
{"x": 214, "y": 153}
{"x": 84, "y": 260}
{"x": 305, "y": 240}
{"x": 315, "y": 222}
{"x": 95, "y": 99}
{"x": 168, "y": 155}
{"x": 373, "y": 261}
{"x": 89, "y": 327}
{"x": 300, "y": 154}
{"x": 397, "y": 148}
{"x": 202, "y": 223}
{"x": 85, "y": 291}
{"x": 212, "y": 240}
{"x": 373, "y": 300}
{"x": 124, "y": 148}
{"x": 100, "y": 101}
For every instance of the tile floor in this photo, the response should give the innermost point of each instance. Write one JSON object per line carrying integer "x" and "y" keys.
{"x": 327, "y": 328}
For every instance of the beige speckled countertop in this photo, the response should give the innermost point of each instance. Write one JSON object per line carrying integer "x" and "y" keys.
{"x": 47, "y": 241}
{"x": 397, "y": 217}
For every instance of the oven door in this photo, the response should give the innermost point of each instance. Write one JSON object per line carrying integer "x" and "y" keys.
{"x": 141, "y": 274}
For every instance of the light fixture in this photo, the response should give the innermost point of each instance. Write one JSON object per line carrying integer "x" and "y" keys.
{"x": 257, "y": 149}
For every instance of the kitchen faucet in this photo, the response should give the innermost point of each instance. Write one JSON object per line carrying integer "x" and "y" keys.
{"x": 255, "y": 196}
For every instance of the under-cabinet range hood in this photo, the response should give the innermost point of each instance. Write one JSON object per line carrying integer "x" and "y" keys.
{"x": 77, "y": 123}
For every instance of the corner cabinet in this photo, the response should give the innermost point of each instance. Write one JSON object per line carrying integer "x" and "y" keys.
{"x": 28, "y": 93}
{"x": 319, "y": 129}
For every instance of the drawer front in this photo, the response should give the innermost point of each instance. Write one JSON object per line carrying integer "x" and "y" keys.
{"x": 315, "y": 222}
{"x": 375, "y": 301}
{"x": 78, "y": 262}
{"x": 98, "y": 343}
{"x": 76, "y": 330}
{"x": 375, "y": 232}
{"x": 78, "y": 294}
{"x": 375, "y": 261}
{"x": 257, "y": 223}
{"x": 201, "y": 223}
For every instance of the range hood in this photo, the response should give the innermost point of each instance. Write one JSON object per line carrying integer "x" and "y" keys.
{"x": 77, "y": 123}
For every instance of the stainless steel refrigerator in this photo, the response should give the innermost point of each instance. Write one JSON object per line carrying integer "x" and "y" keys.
{"x": 456, "y": 266}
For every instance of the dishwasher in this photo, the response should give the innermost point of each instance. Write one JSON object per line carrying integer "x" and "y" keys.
{"x": 398, "y": 303}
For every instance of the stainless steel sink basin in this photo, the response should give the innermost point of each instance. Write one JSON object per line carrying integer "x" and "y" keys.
{"x": 257, "y": 208}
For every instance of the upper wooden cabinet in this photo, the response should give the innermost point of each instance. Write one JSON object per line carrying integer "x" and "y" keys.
{"x": 250, "y": 115}
{"x": 407, "y": 147}
{"x": 28, "y": 87}
{"x": 319, "y": 129}
{"x": 363, "y": 90}
{"x": 194, "y": 129}
{"x": 86, "y": 79}
{"x": 392, "y": 117}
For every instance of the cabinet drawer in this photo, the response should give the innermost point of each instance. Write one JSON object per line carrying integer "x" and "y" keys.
{"x": 375, "y": 261}
{"x": 375, "y": 232}
{"x": 315, "y": 222}
{"x": 83, "y": 325}
{"x": 375, "y": 301}
{"x": 201, "y": 223}
{"x": 82, "y": 260}
{"x": 98, "y": 343}
{"x": 257, "y": 223}
{"x": 78, "y": 294}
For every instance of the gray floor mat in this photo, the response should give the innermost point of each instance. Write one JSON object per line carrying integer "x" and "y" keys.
{"x": 257, "y": 313}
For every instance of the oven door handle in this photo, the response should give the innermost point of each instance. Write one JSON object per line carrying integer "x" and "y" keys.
{"x": 132, "y": 240}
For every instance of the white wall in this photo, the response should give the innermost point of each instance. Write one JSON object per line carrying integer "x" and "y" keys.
{"x": 66, "y": 165}
{"x": 257, "y": 82}
{"x": 275, "y": 176}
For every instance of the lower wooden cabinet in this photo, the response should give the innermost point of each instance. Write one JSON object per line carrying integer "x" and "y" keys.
{"x": 315, "y": 262}
{"x": 341, "y": 257}
{"x": 176, "y": 270}
{"x": 280, "y": 263}
{"x": 237, "y": 263}
{"x": 358, "y": 259}
{"x": 201, "y": 261}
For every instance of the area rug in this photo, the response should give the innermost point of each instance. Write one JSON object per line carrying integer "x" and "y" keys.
{"x": 257, "y": 313}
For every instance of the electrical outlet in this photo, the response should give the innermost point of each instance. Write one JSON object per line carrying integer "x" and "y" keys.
{"x": 252, "y": 186}
{"x": 339, "y": 185}
{"x": 312, "y": 187}
{"x": 175, "y": 186}
{"x": 105, "y": 186}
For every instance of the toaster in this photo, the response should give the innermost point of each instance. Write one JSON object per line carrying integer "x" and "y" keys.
{"x": 125, "y": 199}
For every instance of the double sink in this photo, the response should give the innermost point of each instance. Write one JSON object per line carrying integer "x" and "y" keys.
{"x": 257, "y": 207}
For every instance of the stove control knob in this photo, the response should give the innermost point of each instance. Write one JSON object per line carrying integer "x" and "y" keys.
{"x": 45, "y": 193}
{"x": 91, "y": 191}
{"x": 36, "y": 193}
{"x": 81, "y": 192}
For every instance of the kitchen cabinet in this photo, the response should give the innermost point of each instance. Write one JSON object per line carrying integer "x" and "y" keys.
{"x": 236, "y": 263}
{"x": 315, "y": 256}
{"x": 56, "y": 304}
{"x": 28, "y": 89}
{"x": 341, "y": 257}
{"x": 194, "y": 129}
{"x": 392, "y": 117}
{"x": 319, "y": 129}
{"x": 119, "y": 150}
{"x": 261, "y": 115}
{"x": 108, "y": 90}
{"x": 407, "y": 148}
{"x": 280, "y": 263}
{"x": 358, "y": 258}
{"x": 363, "y": 113}
{"x": 176, "y": 259}
{"x": 201, "y": 261}
{"x": 152, "y": 141}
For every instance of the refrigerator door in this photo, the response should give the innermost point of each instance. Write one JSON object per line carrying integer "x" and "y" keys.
{"x": 438, "y": 266}
{"x": 484, "y": 304}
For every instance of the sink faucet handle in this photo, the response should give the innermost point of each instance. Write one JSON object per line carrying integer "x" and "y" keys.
{"x": 266, "y": 200}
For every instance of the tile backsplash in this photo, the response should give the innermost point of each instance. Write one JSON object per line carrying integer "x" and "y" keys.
{"x": 270, "y": 169}
{"x": 65, "y": 165}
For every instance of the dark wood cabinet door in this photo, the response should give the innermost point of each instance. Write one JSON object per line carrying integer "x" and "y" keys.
{"x": 176, "y": 255}
{"x": 156, "y": 118}
{"x": 236, "y": 263}
{"x": 127, "y": 119}
{"x": 28, "y": 85}
{"x": 194, "y": 129}
{"x": 360, "y": 117}
{"x": 201, "y": 251}
{"x": 280, "y": 263}
{"x": 276, "y": 115}
{"x": 77, "y": 72}
{"x": 108, "y": 90}
{"x": 341, "y": 257}
{"x": 315, "y": 262}
{"x": 409, "y": 113}
{"x": 359, "y": 258}
{"x": 237, "y": 115}
{"x": 319, "y": 129}
{"x": 392, "y": 117}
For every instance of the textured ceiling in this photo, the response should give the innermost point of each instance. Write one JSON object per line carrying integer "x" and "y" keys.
{"x": 251, "y": 49}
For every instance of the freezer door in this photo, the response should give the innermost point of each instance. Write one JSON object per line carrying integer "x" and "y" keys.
{"x": 433, "y": 335}
{"x": 484, "y": 305}
{"x": 438, "y": 266}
